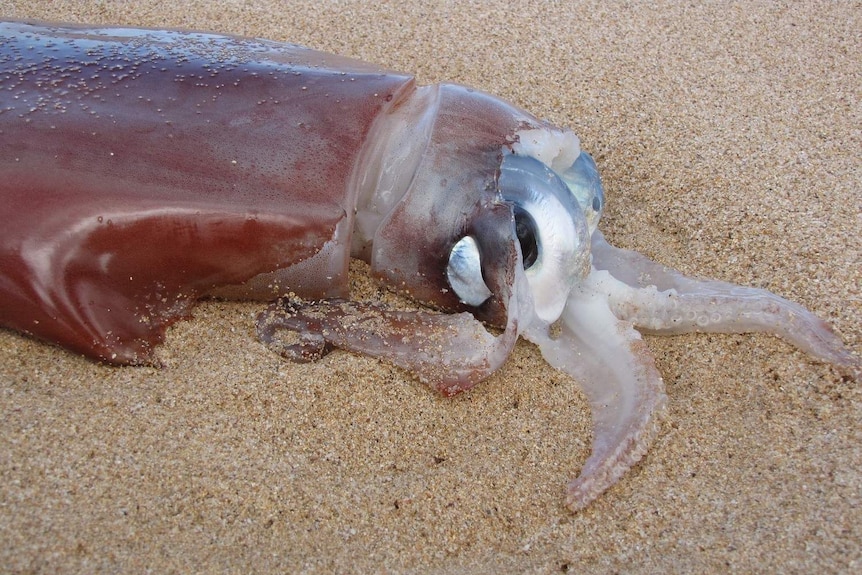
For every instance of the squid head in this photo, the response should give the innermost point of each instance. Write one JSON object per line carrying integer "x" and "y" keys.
{"x": 492, "y": 214}
{"x": 494, "y": 222}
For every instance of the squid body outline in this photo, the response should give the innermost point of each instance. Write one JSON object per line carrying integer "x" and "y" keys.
{"x": 141, "y": 170}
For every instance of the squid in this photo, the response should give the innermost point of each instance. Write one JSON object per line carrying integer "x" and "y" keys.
{"x": 142, "y": 170}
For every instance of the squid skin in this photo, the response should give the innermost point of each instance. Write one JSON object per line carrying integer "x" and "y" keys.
{"x": 141, "y": 170}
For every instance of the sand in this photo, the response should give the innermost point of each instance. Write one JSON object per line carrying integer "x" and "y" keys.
{"x": 728, "y": 137}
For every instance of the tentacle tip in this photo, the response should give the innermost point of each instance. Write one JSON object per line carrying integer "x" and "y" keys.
{"x": 298, "y": 347}
{"x": 602, "y": 473}
{"x": 579, "y": 496}
{"x": 284, "y": 334}
{"x": 585, "y": 489}
{"x": 844, "y": 361}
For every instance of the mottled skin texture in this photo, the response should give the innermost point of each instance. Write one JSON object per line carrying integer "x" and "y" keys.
{"x": 140, "y": 170}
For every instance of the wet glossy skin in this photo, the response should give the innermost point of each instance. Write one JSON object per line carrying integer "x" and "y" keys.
{"x": 141, "y": 170}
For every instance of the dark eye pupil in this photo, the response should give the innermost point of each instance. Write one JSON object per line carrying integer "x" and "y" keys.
{"x": 525, "y": 229}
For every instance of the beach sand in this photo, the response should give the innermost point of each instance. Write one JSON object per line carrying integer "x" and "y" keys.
{"x": 728, "y": 137}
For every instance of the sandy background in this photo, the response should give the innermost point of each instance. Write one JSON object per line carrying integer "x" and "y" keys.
{"x": 729, "y": 140}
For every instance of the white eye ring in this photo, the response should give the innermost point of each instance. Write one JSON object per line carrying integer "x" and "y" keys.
{"x": 561, "y": 231}
{"x": 464, "y": 272}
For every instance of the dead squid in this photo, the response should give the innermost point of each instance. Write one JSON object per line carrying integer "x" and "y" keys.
{"x": 142, "y": 170}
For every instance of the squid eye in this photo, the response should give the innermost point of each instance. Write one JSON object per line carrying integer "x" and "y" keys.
{"x": 551, "y": 228}
{"x": 525, "y": 229}
{"x": 464, "y": 272}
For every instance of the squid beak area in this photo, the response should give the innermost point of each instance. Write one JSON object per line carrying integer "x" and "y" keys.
{"x": 449, "y": 352}
{"x": 617, "y": 373}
